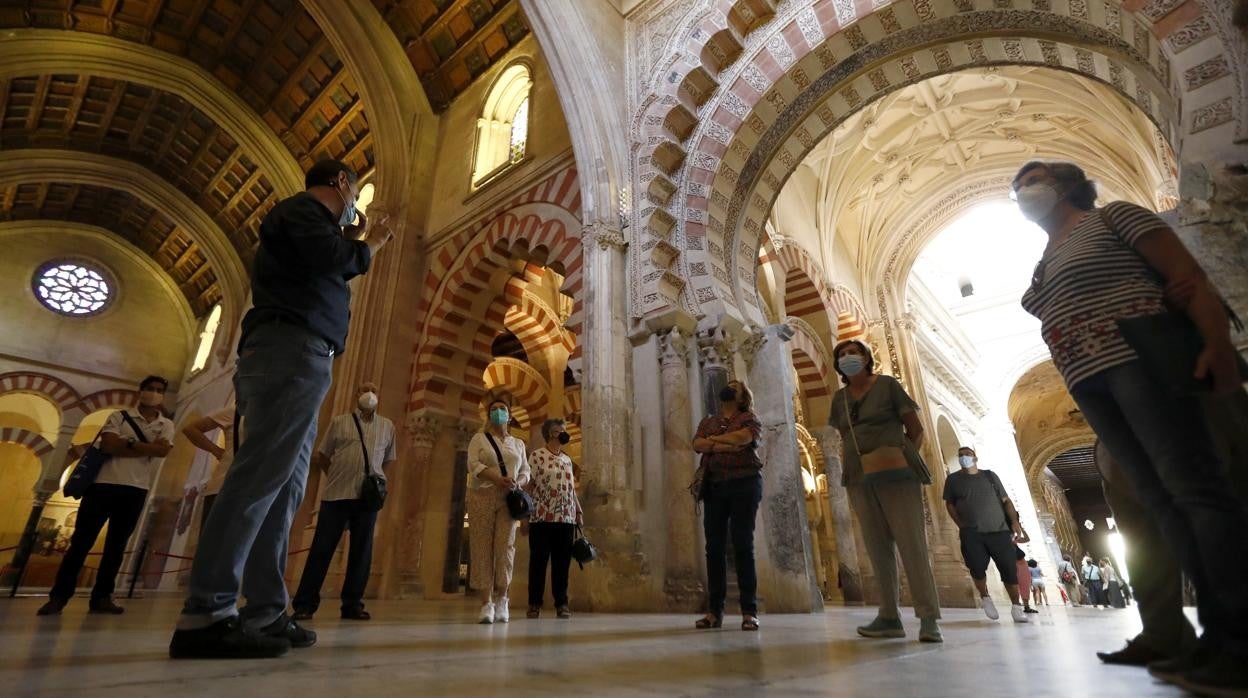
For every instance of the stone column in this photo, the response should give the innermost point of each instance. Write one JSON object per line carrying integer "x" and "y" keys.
{"x": 26, "y": 544}
{"x": 786, "y": 573}
{"x": 401, "y": 528}
{"x": 682, "y": 584}
{"x": 842, "y": 517}
{"x": 715, "y": 357}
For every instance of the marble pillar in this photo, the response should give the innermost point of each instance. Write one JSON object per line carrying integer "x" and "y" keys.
{"x": 786, "y": 570}
{"x": 401, "y": 527}
{"x": 1212, "y": 221}
{"x": 715, "y": 357}
{"x": 682, "y": 583}
{"x": 838, "y": 502}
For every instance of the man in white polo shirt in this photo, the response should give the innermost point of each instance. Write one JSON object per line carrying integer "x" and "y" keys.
{"x": 137, "y": 445}
{"x": 342, "y": 460}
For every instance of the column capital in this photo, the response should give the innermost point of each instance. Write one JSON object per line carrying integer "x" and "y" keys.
{"x": 604, "y": 235}
{"x": 673, "y": 346}
{"x": 423, "y": 428}
{"x": 464, "y": 431}
{"x": 715, "y": 347}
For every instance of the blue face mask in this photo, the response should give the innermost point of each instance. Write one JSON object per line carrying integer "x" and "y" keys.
{"x": 851, "y": 364}
{"x": 498, "y": 417}
{"x": 966, "y": 461}
{"x": 348, "y": 209}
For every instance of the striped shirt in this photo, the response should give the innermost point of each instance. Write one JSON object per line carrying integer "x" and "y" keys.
{"x": 1087, "y": 283}
{"x": 345, "y": 478}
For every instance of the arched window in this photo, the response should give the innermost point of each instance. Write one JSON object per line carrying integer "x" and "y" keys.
{"x": 206, "y": 338}
{"x": 503, "y": 129}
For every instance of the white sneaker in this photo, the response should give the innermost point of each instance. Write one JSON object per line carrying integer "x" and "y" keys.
{"x": 1018, "y": 614}
{"x": 990, "y": 608}
{"x": 502, "y": 610}
{"x": 487, "y": 614}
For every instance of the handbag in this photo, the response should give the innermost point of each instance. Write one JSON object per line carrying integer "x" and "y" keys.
{"x": 519, "y": 502}
{"x": 885, "y": 459}
{"x": 92, "y": 462}
{"x": 582, "y": 550}
{"x": 373, "y": 491}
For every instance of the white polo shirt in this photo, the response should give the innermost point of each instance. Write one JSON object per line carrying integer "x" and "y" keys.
{"x": 341, "y": 445}
{"x": 141, "y": 470}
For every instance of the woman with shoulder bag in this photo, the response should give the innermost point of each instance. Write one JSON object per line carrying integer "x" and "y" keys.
{"x": 884, "y": 476}
{"x": 555, "y": 519}
{"x": 1139, "y": 334}
{"x": 732, "y": 490}
{"x": 497, "y": 464}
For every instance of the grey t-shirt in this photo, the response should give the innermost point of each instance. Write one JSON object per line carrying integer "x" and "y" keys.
{"x": 977, "y": 499}
{"x": 878, "y": 423}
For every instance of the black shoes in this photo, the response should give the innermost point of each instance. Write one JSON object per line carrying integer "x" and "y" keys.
{"x": 105, "y": 606}
{"x": 285, "y": 627}
{"x": 52, "y": 608}
{"x": 228, "y": 639}
{"x": 1134, "y": 654}
{"x": 356, "y": 614}
{"x": 303, "y": 615}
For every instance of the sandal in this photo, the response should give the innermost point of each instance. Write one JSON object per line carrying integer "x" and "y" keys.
{"x": 709, "y": 621}
{"x": 749, "y": 623}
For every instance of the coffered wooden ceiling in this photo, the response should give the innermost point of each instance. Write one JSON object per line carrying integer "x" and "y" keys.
{"x": 269, "y": 52}
{"x": 127, "y": 216}
{"x": 452, "y": 42}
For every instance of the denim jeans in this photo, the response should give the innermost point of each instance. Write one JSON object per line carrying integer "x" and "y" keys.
{"x": 335, "y": 517}
{"x": 730, "y": 509}
{"x": 1165, "y": 449}
{"x": 284, "y": 372}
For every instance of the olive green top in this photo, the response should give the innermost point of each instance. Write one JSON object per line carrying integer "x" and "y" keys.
{"x": 878, "y": 424}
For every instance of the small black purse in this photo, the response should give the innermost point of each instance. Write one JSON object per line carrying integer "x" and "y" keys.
{"x": 373, "y": 492}
{"x": 582, "y": 550}
{"x": 519, "y": 503}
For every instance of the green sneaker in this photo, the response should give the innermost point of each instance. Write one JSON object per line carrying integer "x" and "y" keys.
{"x": 883, "y": 627}
{"x": 929, "y": 630}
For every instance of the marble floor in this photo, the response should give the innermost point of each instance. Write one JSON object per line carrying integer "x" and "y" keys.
{"x": 433, "y": 649}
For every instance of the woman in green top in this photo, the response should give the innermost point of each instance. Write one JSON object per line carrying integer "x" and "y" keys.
{"x": 878, "y": 420}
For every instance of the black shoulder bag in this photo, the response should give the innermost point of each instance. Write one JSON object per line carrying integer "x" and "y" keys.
{"x": 373, "y": 492}
{"x": 92, "y": 462}
{"x": 582, "y": 550}
{"x": 519, "y": 503}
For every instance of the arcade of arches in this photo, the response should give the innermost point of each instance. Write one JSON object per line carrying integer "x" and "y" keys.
{"x": 605, "y": 208}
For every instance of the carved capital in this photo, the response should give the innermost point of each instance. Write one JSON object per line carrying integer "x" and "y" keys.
{"x": 829, "y": 440}
{"x": 464, "y": 431}
{"x": 715, "y": 347}
{"x": 423, "y": 429}
{"x": 751, "y": 344}
{"x": 605, "y": 236}
{"x": 673, "y": 346}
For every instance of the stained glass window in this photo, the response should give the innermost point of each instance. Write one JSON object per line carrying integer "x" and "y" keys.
{"x": 72, "y": 288}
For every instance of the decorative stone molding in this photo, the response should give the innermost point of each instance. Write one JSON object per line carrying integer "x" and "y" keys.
{"x": 464, "y": 431}
{"x": 673, "y": 346}
{"x": 605, "y": 236}
{"x": 423, "y": 429}
{"x": 715, "y": 347}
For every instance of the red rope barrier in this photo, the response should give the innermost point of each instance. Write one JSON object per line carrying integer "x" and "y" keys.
{"x": 5, "y": 550}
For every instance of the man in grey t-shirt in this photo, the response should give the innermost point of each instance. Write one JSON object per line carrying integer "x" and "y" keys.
{"x": 989, "y": 529}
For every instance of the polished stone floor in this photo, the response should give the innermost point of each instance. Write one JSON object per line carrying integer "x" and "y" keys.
{"x": 433, "y": 649}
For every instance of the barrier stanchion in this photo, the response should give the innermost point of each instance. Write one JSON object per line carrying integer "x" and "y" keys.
{"x": 138, "y": 568}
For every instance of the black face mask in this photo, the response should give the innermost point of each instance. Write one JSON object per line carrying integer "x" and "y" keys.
{"x": 728, "y": 394}
{"x": 564, "y": 437}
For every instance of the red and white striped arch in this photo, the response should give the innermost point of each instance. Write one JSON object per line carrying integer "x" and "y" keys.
{"x": 478, "y": 275}
{"x": 23, "y": 437}
{"x": 813, "y": 373}
{"x": 537, "y": 325}
{"x": 116, "y": 398}
{"x": 528, "y": 390}
{"x": 54, "y": 389}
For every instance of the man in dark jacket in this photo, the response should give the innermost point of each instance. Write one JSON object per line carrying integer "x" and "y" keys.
{"x": 310, "y": 247}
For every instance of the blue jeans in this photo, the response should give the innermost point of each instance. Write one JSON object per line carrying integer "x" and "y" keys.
{"x": 284, "y": 372}
{"x": 730, "y": 510}
{"x": 1166, "y": 452}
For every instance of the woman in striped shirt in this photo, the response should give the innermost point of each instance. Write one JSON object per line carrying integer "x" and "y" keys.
{"x": 1115, "y": 263}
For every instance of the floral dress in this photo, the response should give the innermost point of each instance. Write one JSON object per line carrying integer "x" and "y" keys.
{"x": 553, "y": 488}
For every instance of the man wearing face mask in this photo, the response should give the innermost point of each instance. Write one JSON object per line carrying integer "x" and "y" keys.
{"x": 138, "y": 441}
{"x": 989, "y": 528}
{"x": 341, "y": 458}
{"x": 311, "y": 245}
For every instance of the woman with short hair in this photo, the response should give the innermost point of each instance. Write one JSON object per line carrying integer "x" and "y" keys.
{"x": 733, "y": 488}
{"x": 884, "y": 476}
{"x": 1108, "y": 279}
{"x": 491, "y": 528}
{"x": 552, "y": 525}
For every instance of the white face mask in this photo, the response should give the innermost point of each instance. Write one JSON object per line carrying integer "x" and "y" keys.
{"x": 368, "y": 401}
{"x": 1036, "y": 201}
{"x": 966, "y": 462}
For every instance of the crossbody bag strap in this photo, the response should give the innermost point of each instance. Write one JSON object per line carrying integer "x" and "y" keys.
{"x": 497, "y": 453}
{"x": 1231, "y": 316}
{"x": 238, "y": 419}
{"x": 133, "y": 425}
{"x": 368, "y": 468}
{"x": 850, "y": 420}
